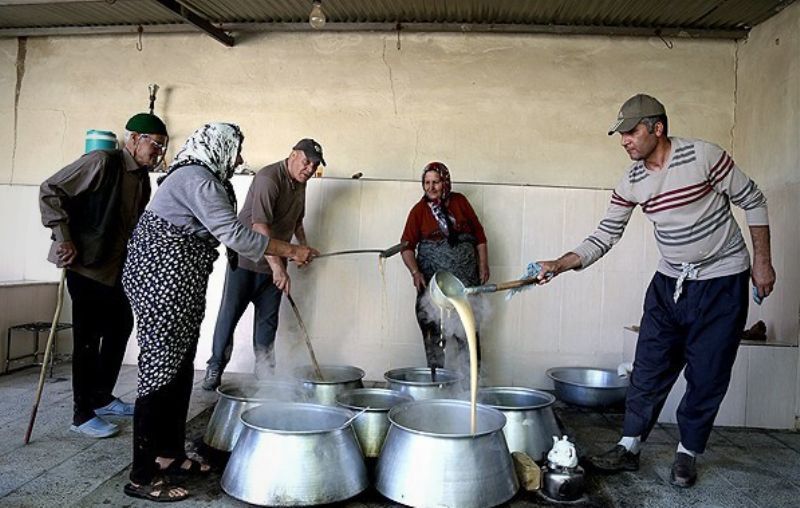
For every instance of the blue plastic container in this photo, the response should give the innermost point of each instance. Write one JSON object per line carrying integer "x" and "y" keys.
{"x": 100, "y": 140}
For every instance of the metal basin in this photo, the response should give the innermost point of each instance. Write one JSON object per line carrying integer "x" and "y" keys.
{"x": 430, "y": 458}
{"x": 371, "y": 425}
{"x": 225, "y": 425}
{"x": 294, "y": 454}
{"x": 337, "y": 379}
{"x": 530, "y": 422}
{"x": 588, "y": 387}
{"x": 418, "y": 383}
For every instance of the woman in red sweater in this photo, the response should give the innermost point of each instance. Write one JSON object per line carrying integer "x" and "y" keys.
{"x": 442, "y": 233}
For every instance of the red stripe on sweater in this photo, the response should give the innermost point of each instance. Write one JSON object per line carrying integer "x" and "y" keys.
{"x": 688, "y": 189}
{"x": 678, "y": 204}
{"x": 723, "y": 172}
{"x": 619, "y": 200}
{"x": 624, "y": 204}
{"x": 719, "y": 162}
{"x": 682, "y": 197}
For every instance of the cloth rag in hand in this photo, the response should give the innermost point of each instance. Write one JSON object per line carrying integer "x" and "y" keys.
{"x": 531, "y": 271}
{"x": 756, "y": 298}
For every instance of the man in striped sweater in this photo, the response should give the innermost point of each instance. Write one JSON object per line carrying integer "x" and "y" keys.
{"x": 696, "y": 305}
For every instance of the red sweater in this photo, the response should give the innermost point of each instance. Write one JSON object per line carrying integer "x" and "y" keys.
{"x": 422, "y": 225}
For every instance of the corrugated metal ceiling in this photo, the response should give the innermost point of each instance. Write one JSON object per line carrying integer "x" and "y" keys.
{"x": 693, "y": 18}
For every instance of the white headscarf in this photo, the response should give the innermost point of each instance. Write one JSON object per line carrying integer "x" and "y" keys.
{"x": 214, "y": 146}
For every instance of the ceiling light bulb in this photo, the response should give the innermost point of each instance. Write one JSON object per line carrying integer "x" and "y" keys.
{"x": 317, "y": 17}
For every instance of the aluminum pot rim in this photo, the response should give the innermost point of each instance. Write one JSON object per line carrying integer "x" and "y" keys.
{"x": 381, "y": 391}
{"x": 551, "y": 399}
{"x": 300, "y": 374}
{"x": 552, "y": 374}
{"x": 430, "y": 402}
{"x": 348, "y": 415}
{"x": 457, "y": 376}
{"x": 241, "y": 398}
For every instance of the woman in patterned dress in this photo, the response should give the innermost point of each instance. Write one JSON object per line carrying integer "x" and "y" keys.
{"x": 447, "y": 235}
{"x": 170, "y": 258}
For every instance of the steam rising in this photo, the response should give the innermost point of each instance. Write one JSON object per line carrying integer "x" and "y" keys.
{"x": 456, "y": 352}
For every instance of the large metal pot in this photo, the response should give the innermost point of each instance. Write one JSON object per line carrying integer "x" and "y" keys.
{"x": 430, "y": 458}
{"x": 371, "y": 425}
{"x": 530, "y": 422}
{"x": 418, "y": 382}
{"x": 225, "y": 425}
{"x": 336, "y": 379}
{"x": 589, "y": 387}
{"x": 294, "y": 454}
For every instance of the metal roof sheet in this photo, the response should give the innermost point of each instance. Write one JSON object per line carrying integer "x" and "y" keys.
{"x": 697, "y": 18}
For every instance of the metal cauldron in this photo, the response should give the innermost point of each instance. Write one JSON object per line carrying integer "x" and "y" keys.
{"x": 589, "y": 387}
{"x": 225, "y": 425}
{"x": 371, "y": 425}
{"x": 294, "y": 454}
{"x": 530, "y": 422}
{"x": 337, "y": 379}
{"x": 418, "y": 383}
{"x": 430, "y": 458}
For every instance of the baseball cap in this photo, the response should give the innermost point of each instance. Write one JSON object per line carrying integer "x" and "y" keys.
{"x": 312, "y": 149}
{"x": 631, "y": 113}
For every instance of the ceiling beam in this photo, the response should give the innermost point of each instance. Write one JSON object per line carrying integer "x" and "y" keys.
{"x": 388, "y": 27}
{"x": 198, "y": 21}
{"x": 4, "y": 3}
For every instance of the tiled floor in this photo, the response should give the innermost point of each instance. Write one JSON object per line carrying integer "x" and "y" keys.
{"x": 742, "y": 467}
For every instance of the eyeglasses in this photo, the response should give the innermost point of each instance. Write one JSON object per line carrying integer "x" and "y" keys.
{"x": 159, "y": 146}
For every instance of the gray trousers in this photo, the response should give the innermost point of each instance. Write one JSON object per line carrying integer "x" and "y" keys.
{"x": 243, "y": 287}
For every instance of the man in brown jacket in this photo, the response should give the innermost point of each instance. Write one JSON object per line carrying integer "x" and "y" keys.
{"x": 92, "y": 206}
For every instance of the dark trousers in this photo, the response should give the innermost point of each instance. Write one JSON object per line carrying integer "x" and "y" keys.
{"x": 432, "y": 337}
{"x": 101, "y": 325}
{"x": 243, "y": 287}
{"x": 159, "y": 423}
{"x": 700, "y": 332}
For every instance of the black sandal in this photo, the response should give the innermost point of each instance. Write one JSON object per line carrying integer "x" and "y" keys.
{"x": 158, "y": 491}
{"x": 176, "y": 468}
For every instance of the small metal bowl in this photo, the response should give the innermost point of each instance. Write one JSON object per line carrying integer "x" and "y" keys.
{"x": 588, "y": 386}
{"x": 337, "y": 379}
{"x": 372, "y": 424}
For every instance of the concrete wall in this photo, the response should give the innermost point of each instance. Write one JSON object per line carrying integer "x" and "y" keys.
{"x": 8, "y": 79}
{"x": 768, "y": 144}
{"x": 518, "y": 109}
{"x": 527, "y": 111}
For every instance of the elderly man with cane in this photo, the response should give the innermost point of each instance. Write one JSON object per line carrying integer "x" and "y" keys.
{"x": 92, "y": 206}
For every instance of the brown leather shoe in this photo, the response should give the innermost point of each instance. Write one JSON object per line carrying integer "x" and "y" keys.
{"x": 684, "y": 471}
{"x": 615, "y": 460}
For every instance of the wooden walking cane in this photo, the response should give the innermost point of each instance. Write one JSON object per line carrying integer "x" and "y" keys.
{"x": 46, "y": 359}
{"x": 314, "y": 362}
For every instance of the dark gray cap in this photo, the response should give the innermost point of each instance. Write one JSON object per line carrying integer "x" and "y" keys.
{"x": 312, "y": 149}
{"x": 631, "y": 113}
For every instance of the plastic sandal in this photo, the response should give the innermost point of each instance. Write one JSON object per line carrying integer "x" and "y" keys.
{"x": 176, "y": 467}
{"x": 158, "y": 491}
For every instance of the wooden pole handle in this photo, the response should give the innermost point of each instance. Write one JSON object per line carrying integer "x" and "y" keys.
{"x": 314, "y": 362}
{"x": 513, "y": 284}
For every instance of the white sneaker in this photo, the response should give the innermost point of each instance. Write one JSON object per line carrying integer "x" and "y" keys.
{"x": 97, "y": 428}
{"x": 116, "y": 408}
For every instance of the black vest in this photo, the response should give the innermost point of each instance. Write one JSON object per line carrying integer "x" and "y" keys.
{"x": 92, "y": 215}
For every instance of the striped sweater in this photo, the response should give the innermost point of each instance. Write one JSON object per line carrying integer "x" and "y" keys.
{"x": 688, "y": 203}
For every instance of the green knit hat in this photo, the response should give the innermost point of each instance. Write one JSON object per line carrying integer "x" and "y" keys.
{"x": 146, "y": 123}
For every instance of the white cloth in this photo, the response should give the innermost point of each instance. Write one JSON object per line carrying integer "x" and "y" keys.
{"x": 688, "y": 271}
